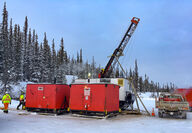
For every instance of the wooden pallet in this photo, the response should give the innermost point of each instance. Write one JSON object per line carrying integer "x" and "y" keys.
{"x": 95, "y": 116}
{"x": 48, "y": 114}
{"x": 128, "y": 112}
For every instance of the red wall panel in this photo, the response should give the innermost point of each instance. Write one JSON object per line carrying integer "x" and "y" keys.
{"x": 187, "y": 93}
{"x": 94, "y": 97}
{"x": 47, "y": 96}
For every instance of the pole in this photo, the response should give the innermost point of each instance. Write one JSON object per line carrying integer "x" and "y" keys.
{"x": 130, "y": 81}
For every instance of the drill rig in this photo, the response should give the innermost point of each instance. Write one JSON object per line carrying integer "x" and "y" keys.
{"x": 126, "y": 97}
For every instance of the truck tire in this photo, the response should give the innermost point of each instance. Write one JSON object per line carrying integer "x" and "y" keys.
{"x": 184, "y": 115}
{"x": 160, "y": 115}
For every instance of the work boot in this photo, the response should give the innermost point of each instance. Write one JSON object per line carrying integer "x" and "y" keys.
{"x": 5, "y": 111}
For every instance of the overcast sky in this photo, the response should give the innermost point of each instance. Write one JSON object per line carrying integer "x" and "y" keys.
{"x": 162, "y": 42}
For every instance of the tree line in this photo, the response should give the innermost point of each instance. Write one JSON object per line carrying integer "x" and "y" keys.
{"x": 24, "y": 58}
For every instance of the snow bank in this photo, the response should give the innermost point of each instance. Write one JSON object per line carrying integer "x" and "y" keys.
{"x": 148, "y": 101}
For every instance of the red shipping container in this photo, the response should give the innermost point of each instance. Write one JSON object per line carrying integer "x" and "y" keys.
{"x": 187, "y": 93}
{"x": 47, "y": 96}
{"x": 103, "y": 98}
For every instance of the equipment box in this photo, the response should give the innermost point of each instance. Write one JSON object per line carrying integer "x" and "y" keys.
{"x": 47, "y": 97}
{"x": 94, "y": 98}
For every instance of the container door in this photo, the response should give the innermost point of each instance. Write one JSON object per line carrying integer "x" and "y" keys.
{"x": 41, "y": 97}
{"x": 87, "y": 98}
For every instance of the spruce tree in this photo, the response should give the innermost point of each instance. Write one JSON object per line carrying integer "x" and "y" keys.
{"x": 87, "y": 70}
{"x": 6, "y": 67}
{"x": 41, "y": 63}
{"x": 167, "y": 88}
{"x": 81, "y": 57}
{"x": 11, "y": 51}
{"x": 62, "y": 64}
{"x": 36, "y": 61}
{"x": 140, "y": 84}
{"x": 18, "y": 54}
{"x": 60, "y": 57}
{"x": 53, "y": 61}
{"x": 146, "y": 84}
{"x": 131, "y": 75}
{"x": 121, "y": 74}
{"x": 46, "y": 61}
{"x": 15, "y": 40}
{"x": 25, "y": 53}
{"x": 136, "y": 76}
{"x": 93, "y": 66}
{"x": 65, "y": 57}
{"x": 78, "y": 60}
{"x": 71, "y": 67}
{"x": 1, "y": 55}
{"x": 32, "y": 54}
{"x": 117, "y": 72}
{"x": 29, "y": 55}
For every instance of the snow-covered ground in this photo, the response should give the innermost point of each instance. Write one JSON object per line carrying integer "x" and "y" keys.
{"x": 15, "y": 122}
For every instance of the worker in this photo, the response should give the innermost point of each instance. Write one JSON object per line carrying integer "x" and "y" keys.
{"x": 21, "y": 101}
{"x": 101, "y": 73}
{"x": 6, "y": 100}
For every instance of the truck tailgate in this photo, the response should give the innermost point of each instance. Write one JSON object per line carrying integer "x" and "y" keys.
{"x": 172, "y": 105}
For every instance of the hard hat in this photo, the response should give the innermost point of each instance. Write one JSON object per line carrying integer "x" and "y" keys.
{"x": 6, "y": 92}
{"x": 102, "y": 70}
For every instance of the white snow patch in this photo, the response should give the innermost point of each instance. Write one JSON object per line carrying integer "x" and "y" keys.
{"x": 70, "y": 78}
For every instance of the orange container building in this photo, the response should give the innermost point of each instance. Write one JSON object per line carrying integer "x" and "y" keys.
{"x": 94, "y": 98}
{"x": 47, "y": 97}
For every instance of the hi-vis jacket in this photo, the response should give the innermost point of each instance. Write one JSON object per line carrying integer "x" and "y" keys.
{"x": 21, "y": 98}
{"x": 6, "y": 98}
